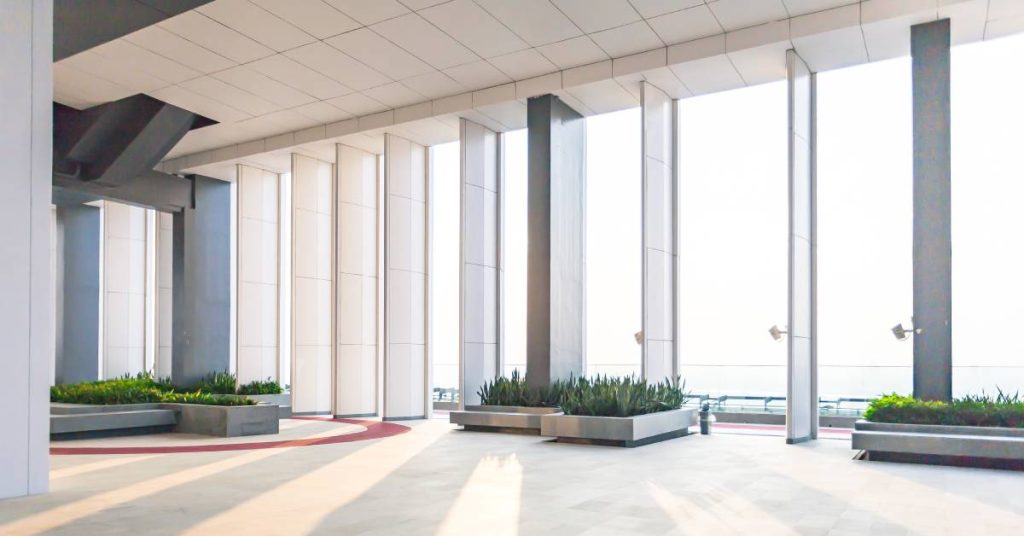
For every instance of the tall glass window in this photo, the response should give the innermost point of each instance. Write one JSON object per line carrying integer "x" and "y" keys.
{"x": 733, "y": 246}
{"x": 987, "y": 190}
{"x": 614, "y": 254}
{"x": 514, "y": 242}
{"x": 865, "y": 211}
{"x": 446, "y": 234}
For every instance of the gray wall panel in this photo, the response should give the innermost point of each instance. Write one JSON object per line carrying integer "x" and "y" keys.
{"x": 78, "y": 360}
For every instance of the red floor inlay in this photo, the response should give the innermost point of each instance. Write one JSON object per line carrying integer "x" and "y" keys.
{"x": 374, "y": 430}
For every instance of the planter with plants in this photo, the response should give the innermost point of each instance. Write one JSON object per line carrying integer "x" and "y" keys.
{"x": 262, "y": 392}
{"x": 974, "y": 430}
{"x": 508, "y": 405}
{"x": 624, "y": 412}
{"x": 142, "y": 403}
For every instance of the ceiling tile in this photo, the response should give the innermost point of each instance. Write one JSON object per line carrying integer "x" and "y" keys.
{"x": 370, "y": 12}
{"x": 132, "y": 56}
{"x": 708, "y": 75}
{"x": 322, "y": 112}
{"x": 434, "y": 84}
{"x": 629, "y": 39}
{"x": 1004, "y": 9}
{"x": 573, "y": 52}
{"x": 523, "y": 64}
{"x": 803, "y": 7}
{"x": 115, "y": 71}
{"x": 313, "y": 16}
{"x": 179, "y": 49}
{"x": 78, "y": 88}
{"x": 292, "y": 73}
{"x": 263, "y": 86}
{"x": 736, "y": 14}
{"x": 219, "y": 91}
{"x": 394, "y": 95}
{"x": 596, "y": 15}
{"x": 358, "y": 104}
{"x": 385, "y": 56}
{"x": 417, "y": 5}
{"x": 685, "y": 25}
{"x": 331, "y": 62}
{"x": 536, "y": 21}
{"x": 214, "y": 36}
{"x": 428, "y": 43}
{"x": 183, "y": 98}
{"x": 256, "y": 23}
{"x": 476, "y": 75}
{"x": 470, "y": 25}
{"x": 653, "y": 8}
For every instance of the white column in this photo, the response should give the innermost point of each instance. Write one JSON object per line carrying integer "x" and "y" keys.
{"x": 481, "y": 274}
{"x": 26, "y": 95}
{"x": 356, "y": 368}
{"x": 802, "y": 365}
{"x": 659, "y": 234}
{"x": 312, "y": 285}
{"x": 124, "y": 289}
{"x": 164, "y": 293}
{"x": 257, "y": 343}
{"x": 405, "y": 330}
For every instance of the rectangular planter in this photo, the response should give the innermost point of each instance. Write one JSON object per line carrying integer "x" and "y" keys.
{"x": 507, "y": 419}
{"x": 226, "y": 421}
{"x": 939, "y": 444}
{"x": 619, "y": 431}
{"x": 283, "y": 401}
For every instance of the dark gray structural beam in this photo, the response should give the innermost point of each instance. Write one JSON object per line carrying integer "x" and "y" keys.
{"x": 933, "y": 294}
{"x": 82, "y": 24}
{"x": 150, "y": 189}
{"x": 78, "y": 335}
{"x": 202, "y": 283}
{"x": 556, "y": 269}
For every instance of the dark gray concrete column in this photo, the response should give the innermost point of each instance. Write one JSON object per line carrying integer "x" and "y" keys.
{"x": 933, "y": 290}
{"x": 79, "y": 336}
{"x": 556, "y": 269}
{"x": 202, "y": 279}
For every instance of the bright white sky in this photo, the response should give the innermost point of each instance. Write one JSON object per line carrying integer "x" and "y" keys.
{"x": 733, "y": 226}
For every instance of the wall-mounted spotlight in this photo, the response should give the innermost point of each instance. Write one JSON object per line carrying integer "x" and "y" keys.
{"x": 901, "y": 333}
{"x": 777, "y": 333}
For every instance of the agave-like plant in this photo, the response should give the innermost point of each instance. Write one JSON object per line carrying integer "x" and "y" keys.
{"x": 621, "y": 397}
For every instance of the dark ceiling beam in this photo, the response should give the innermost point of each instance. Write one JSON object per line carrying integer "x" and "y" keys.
{"x": 82, "y": 24}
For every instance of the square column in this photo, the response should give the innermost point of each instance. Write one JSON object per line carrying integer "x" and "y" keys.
{"x": 124, "y": 289}
{"x": 258, "y": 260}
{"x": 659, "y": 234}
{"x": 78, "y": 348}
{"x": 357, "y": 358}
{"x": 201, "y": 290}
{"x": 556, "y": 268}
{"x": 312, "y": 285}
{"x": 406, "y": 362}
{"x": 480, "y": 350}
{"x": 26, "y": 150}
{"x": 802, "y": 364}
{"x": 933, "y": 250}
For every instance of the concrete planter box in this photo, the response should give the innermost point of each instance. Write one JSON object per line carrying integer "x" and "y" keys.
{"x": 507, "y": 419}
{"x": 226, "y": 421}
{"x": 283, "y": 401}
{"x": 937, "y": 444}
{"x": 619, "y": 431}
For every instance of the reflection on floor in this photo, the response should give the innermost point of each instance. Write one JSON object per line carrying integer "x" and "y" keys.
{"x": 436, "y": 480}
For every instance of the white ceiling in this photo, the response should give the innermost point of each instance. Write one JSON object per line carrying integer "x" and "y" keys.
{"x": 280, "y": 72}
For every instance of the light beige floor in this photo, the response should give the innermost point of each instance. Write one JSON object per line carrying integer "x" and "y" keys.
{"x": 435, "y": 480}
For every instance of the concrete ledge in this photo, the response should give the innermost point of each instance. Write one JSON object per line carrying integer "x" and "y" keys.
{"x": 932, "y": 443}
{"x": 60, "y": 408}
{"x": 506, "y": 419}
{"x": 824, "y": 421}
{"x": 226, "y": 421}
{"x": 619, "y": 431}
{"x": 111, "y": 420}
{"x": 283, "y": 401}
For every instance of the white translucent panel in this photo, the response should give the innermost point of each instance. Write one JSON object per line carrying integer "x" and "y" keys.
{"x": 444, "y": 280}
{"x": 513, "y": 249}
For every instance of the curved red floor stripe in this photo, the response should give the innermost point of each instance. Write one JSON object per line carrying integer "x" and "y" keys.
{"x": 374, "y": 430}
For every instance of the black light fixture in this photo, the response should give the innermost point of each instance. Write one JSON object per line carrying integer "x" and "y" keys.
{"x": 901, "y": 333}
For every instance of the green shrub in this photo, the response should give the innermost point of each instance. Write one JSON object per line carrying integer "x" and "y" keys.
{"x": 140, "y": 389}
{"x": 267, "y": 387}
{"x": 973, "y": 410}
{"x": 206, "y": 399}
{"x": 512, "y": 391}
{"x": 621, "y": 397}
{"x": 218, "y": 383}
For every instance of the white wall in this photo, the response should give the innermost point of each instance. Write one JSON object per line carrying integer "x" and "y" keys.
{"x": 405, "y": 355}
{"x": 258, "y": 294}
{"x": 312, "y": 284}
{"x": 164, "y": 293}
{"x": 26, "y": 95}
{"x": 124, "y": 289}
{"x": 357, "y": 353}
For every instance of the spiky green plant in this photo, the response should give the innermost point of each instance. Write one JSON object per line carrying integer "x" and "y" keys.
{"x": 1005, "y": 410}
{"x": 206, "y": 399}
{"x": 621, "y": 396}
{"x": 266, "y": 387}
{"x": 218, "y": 383}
